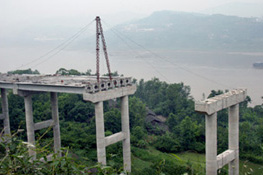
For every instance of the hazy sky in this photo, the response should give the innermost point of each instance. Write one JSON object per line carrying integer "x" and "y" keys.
{"x": 30, "y": 9}
{"x": 15, "y": 14}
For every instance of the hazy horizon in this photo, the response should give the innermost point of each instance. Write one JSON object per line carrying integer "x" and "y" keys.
{"x": 52, "y": 22}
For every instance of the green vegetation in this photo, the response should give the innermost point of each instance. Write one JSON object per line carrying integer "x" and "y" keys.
{"x": 16, "y": 160}
{"x": 26, "y": 71}
{"x": 63, "y": 71}
{"x": 198, "y": 161}
{"x": 154, "y": 150}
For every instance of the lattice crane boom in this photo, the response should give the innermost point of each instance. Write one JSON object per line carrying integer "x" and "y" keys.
{"x": 99, "y": 32}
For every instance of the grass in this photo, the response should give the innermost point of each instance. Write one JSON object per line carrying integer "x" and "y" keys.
{"x": 197, "y": 161}
{"x": 249, "y": 167}
{"x": 138, "y": 164}
{"x": 190, "y": 159}
{"x": 145, "y": 158}
{"x": 245, "y": 167}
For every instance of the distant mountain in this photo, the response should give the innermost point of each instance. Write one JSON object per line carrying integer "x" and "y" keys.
{"x": 237, "y": 9}
{"x": 51, "y": 31}
{"x": 179, "y": 30}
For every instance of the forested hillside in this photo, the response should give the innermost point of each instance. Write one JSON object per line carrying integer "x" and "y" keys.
{"x": 154, "y": 150}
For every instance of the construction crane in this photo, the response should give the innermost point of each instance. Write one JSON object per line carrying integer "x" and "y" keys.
{"x": 99, "y": 32}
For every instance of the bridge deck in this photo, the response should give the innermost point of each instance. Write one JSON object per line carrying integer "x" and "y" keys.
{"x": 86, "y": 85}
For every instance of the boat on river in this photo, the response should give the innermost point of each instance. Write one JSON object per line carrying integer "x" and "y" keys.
{"x": 258, "y": 65}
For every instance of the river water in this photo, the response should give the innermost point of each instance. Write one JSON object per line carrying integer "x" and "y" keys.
{"x": 202, "y": 71}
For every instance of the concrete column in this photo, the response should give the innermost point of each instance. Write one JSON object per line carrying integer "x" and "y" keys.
{"x": 126, "y": 131}
{"x": 5, "y": 112}
{"x": 100, "y": 133}
{"x": 211, "y": 143}
{"x": 30, "y": 125}
{"x": 56, "y": 128}
{"x": 233, "y": 138}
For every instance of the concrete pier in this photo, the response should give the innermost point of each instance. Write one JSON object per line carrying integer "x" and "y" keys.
{"x": 233, "y": 141}
{"x": 126, "y": 131}
{"x": 211, "y": 143}
{"x": 210, "y": 107}
{"x": 55, "y": 118}
{"x": 124, "y": 135}
{"x": 5, "y": 114}
{"x": 100, "y": 133}
{"x": 30, "y": 125}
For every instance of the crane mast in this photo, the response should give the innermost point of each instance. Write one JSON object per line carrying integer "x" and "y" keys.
{"x": 99, "y": 32}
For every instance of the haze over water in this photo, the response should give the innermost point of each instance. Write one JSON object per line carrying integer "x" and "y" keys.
{"x": 202, "y": 71}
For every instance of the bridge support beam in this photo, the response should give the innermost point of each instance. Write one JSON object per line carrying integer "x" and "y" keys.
{"x": 56, "y": 127}
{"x": 126, "y": 130}
{"x": 210, "y": 107}
{"x": 100, "y": 133}
{"x": 5, "y": 113}
{"x": 124, "y": 135}
{"x": 211, "y": 143}
{"x": 30, "y": 125}
{"x": 233, "y": 141}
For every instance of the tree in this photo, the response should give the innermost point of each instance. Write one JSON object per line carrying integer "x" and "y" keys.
{"x": 26, "y": 71}
{"x": 138, "y": 137}
{"x": 165, "y": 98}
{"x": 16, "y": 111}
{"x": 81, "y": 112}
{"x": 173, "y": 122}
{"x": 167, "y": 143}
{"x": 88, "y": 72}
{"x": 215, "y": 93}
{"x": 73, "y": 108}
{"x": 63, "y": 71}
{"x": 137, "y": 112}
{"x": 73, "y": 72}
{"x": 113, "y": 120}
{"x": 189, "y": 130}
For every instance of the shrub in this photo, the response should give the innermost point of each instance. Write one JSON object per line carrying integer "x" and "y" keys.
{"x": 14, "y": 159}
{"x": 167, "y": 143}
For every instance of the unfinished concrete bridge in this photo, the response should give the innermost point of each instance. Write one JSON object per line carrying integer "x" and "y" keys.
{"x": 121, "y": 87}
{"x": 92, "y": 90}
